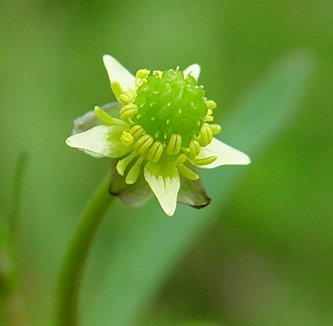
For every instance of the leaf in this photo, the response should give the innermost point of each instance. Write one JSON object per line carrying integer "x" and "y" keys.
{"x": 152, "y": 244}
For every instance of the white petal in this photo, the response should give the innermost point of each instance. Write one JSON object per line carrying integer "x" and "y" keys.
{"x": 194, "y": 70}
{"x": 93, "y": 141}
{"x": 226, "y": 155}
{"x": 165, "y": 184}
{"x": 119, "y": 74}
{"x": 100, "y": 141}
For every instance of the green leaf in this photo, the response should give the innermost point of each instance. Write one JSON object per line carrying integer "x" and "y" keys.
{"x": 152, "y": 244}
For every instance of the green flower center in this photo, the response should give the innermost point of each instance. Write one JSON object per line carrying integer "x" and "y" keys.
{"x": 170, "y": 104}
{"x": 168, "y": 118}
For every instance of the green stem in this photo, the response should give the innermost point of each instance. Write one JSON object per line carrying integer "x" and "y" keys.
{"x": 17, "y": 191}
{"x": 76, "y": 256}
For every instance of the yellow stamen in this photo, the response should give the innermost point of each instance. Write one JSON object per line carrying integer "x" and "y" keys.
{"x": 126, "y": 138}
{"x": 106, "y": 118}
{"x": 122, "y": 164}
{"x": 187, "y": 173}
{"x": 180, "y": 159}
{"x": 211, "y": 104}
{"x": 143, "y": 144}
{"x": 137, "y": 131}
{"x": 128, "y": 111}
{"x": 205, "y": 160}
{"x": 124, "y": 98}
{"x": 205, "y": 135}
{"x": 194, "y": 148}
{"x": 142, "y": 73}
{"x": 175, "y": 144}
{"x": 134, "y": 172}
{"x": 155, "y": 152}
{"x": 215, "y": 128}
{"x": 157, "y": 73}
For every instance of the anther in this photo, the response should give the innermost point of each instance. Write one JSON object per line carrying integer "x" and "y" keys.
{"x": 103, "y": 116}
{"x": 137, "y": 131}
{"x": 205, "y": 160}
{"x": 211, "y": 104}
{"x": 187, "y": 173}
{"x": 134, "y": 172}
{"x": 124, "y": 98}
{"x": 194, "y": 148}
{"x": 128, "y": 111}
{"x": 205, "y": 135}
{"x": 143, "y": 144}
{"x": 215, "y": 128}
{"x": 126, "y": 138}
{"x": 157, "y": 73}
{"x": 180, "y": 159}
{"x": 155, "y": 152}
{"x": 209, "y": 118}
{"x": 142, "y": 73}
{"x": 175, "y": 144}
{"x": 122, "y": 164}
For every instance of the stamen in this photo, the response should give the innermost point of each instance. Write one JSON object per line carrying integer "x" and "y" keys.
{"x": 205, "y": 160}
{"x": 205, "y": 135}
{"x": 106, "y": 118}
{"x": 187, "y": 173}
{"x": 155, "y": 152}
{"x": 211, "y": 104}
{"x": 116, "y": 89}
{"x": 215, "y": 128}
{"x": 194, "y": 148}
{"x": 180, "y": 159}
{"x": 122, "y": 164}
{"x": 128, "y": 111}
{"x": 137, "y": 131}
{"x": 157, "y": 73}
{"x": 134, "y": 172}
{"x": 124, "y": 98}
{"x": 142, "y": 73}
{"x": 126, "y": 138}
{"x": 143, "y": 144}
{"x": 175, "y": 144}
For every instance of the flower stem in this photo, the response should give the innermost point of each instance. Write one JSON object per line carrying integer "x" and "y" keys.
{"x": 76, "y": 256}
{"x": 20, "y": 171}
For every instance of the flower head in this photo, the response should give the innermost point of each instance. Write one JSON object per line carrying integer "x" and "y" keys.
{"x": 158, "y": 132}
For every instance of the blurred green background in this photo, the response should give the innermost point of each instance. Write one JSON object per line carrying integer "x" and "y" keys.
{"x": 266, "y": 258}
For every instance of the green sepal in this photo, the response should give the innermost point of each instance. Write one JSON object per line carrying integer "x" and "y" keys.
{"x": 134, "y": 195}
{"x": 192, "y": 193}
{"x": 89, "y": 119}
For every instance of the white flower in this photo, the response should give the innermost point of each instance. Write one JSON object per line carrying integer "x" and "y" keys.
{"x": 160, "y": 129}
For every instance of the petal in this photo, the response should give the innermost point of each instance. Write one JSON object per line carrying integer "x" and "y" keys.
{"x": 100, "y": 141}
{"x": 194, "y": 70}
{"x": 192, "y": 193}
{"x": 119, "y": 74}
{"x": 163, "y": 180}
{"x": 226, "y": 155}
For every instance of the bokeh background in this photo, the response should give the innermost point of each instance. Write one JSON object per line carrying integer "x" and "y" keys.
{"x": 266, "y": 257}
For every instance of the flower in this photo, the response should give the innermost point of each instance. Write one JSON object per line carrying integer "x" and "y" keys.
{"x": 158, "y": 132}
